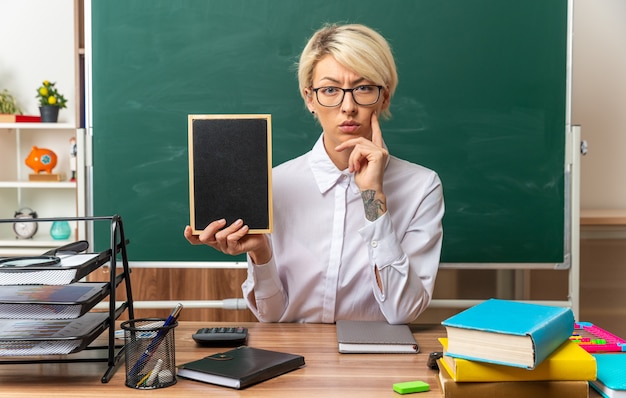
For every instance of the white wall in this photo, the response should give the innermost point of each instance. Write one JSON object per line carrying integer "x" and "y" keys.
{"x": 37, "y": 45}
{"x": 599, "y": 100}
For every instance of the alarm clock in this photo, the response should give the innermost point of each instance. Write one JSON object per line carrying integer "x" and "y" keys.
{"x": 25, "y": 230}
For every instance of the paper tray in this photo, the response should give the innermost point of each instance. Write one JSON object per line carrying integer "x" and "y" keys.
{"x": 71, "y": 269}
{"x": 50, "y": 337}
{"x": 50, "y": 301}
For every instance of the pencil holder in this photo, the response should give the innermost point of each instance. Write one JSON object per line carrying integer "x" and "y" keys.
{"x": 150, "y": 353}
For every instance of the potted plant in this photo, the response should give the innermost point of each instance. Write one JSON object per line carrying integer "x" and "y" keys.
{"x": 50, "y": 101}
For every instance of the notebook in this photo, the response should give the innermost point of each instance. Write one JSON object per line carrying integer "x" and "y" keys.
{"x": 375, "y": 337}
{"x": 611, "y": 380}
{"x": 241, "y": 367}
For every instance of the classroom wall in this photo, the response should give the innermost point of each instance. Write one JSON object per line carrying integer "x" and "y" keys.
{"x": 599, "y": 100}
{"x": 598, "y": 89}
{"x": 598, "y": 103}
{"x": 598, "y": 96}
{"x": 38, "y": 46}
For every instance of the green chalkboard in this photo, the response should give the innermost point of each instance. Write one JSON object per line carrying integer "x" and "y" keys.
{"x": 482, "y": 100}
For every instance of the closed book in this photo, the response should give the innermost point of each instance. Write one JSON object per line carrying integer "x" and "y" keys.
{"x": 511, "y": 389}
{"x": 8, "y": 118}
{"x": 508, "y": 332}
{"x": 374, "y": 337}
{"x": 568, "y": 362}
{"x": 240, "y": 367}
{"x": 611, "y": 380}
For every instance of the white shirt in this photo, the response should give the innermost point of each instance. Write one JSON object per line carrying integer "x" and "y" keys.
{"x": 325, "y": 250}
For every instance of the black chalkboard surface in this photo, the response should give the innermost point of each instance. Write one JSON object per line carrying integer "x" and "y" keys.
{"x": 482, "y": 100}
{"x": 230, "y": 170}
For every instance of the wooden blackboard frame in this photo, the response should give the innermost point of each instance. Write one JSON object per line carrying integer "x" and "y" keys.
{"x": 230, "y": 170}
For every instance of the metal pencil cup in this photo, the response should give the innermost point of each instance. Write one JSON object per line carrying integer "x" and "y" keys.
{"x": 150, "y": 353}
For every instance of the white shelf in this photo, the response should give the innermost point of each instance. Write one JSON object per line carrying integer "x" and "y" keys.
{"x": 29, "y": 247}
{"x": 37, "y": 126}
{"x": 38, "y": 241}
{"x": 37, "y": 184}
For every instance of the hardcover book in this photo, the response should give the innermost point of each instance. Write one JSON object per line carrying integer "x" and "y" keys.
{"x": 568, "y": 362}
{"x": 8, "y": 118}
{"x": 508, "y": 332}
{"x": 611, "y": 380}
{"x": 374, "y": 337}
{"x": 511, "y": 389}
{"x": 240, "y": 367}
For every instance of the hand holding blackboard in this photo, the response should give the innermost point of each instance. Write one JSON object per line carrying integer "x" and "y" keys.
{"x": 233, "y": 240}
{"x": 230, "y": 171}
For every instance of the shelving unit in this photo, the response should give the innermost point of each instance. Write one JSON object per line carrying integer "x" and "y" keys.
{"x": 21, "y": 74}
{"x": 114, "y": 352}
{"x": 47, "y": 199}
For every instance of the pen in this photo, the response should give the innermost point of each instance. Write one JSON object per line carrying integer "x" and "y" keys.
{"x": 154, "y": 344}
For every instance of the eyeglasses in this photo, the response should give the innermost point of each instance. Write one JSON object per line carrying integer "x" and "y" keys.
{"x": 333, "y": 96}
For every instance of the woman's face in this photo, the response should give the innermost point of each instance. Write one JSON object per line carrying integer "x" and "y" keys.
{"x": 348, "y": 119}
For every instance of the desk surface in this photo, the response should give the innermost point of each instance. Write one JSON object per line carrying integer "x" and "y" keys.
{"x": 327, "y": 373}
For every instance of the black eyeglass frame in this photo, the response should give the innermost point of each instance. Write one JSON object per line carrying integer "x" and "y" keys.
{"x": 343, "y": 94}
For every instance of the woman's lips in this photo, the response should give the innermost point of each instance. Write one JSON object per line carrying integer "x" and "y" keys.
{"x": 349, "y": 127}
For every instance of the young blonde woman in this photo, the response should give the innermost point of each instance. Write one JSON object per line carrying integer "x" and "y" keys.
{"x": 357, "y": 232}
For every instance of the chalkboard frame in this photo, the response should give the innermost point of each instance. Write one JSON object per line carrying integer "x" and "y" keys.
{"x": 230, "y": 170}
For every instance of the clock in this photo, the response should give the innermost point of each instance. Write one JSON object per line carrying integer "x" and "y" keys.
{"x": 25, "y": 230}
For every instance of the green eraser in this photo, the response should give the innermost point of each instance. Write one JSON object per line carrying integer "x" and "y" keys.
{"x": 409, "y": 387}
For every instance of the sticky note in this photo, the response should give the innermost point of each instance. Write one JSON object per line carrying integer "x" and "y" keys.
{"x": 409, "y": 387}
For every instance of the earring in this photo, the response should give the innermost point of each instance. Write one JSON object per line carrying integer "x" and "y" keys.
{"x": 312, "y": 112}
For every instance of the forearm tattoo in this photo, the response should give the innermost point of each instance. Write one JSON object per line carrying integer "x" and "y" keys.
{"x": 373, "y": 206}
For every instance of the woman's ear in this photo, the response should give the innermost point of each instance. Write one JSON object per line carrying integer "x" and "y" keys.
{"x": 308, "y": 94}
{"x": 386, "y": 100}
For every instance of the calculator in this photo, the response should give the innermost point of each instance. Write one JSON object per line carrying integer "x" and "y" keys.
{"x": 221, "y": 336}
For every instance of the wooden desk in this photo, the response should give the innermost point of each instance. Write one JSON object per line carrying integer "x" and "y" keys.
{"x": 327, "y": 373}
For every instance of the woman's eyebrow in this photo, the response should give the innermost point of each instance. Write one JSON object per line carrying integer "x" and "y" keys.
{"x": 352, "y": 83}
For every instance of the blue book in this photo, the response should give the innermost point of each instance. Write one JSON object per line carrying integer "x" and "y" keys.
{"x": 508, "y": 332}
{"x": 611, "y": 381}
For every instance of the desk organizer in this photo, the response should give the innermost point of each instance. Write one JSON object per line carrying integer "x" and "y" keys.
{"x": 46, "y": 312}
{"x": 50, "y": 301}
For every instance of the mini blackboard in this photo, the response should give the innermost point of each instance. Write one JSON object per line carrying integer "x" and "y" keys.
{"x": 230, "y": 166}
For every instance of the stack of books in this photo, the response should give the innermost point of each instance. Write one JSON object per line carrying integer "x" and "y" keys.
{"x": 513, "y": 349}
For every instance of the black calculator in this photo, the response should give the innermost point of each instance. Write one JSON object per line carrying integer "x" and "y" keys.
{"x": 221, "y": 336}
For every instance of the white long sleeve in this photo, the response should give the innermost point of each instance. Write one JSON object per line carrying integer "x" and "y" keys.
{"x": 325, "y": 250}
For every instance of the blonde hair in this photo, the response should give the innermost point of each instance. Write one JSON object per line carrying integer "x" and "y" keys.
{"x": 354, "y": 46}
